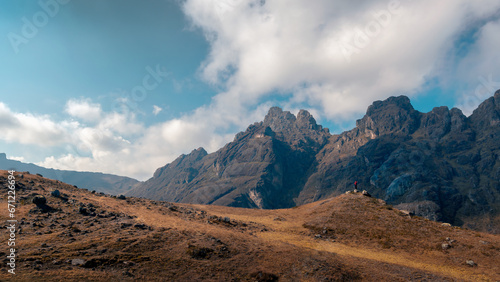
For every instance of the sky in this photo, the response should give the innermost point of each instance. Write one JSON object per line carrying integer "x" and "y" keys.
{"x": 125, "y": 87}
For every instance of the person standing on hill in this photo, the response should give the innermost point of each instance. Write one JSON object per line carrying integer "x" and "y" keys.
{"x": 355, "y": 186}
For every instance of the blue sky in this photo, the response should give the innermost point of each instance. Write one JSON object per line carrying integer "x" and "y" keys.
{"x": 126, "y": 86}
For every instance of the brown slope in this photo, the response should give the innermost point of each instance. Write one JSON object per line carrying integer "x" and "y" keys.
{"x": 141, "y": 239}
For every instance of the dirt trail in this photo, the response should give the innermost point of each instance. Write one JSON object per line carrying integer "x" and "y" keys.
{"x": 292, "y": 232}
{"x": 363, "y": 253}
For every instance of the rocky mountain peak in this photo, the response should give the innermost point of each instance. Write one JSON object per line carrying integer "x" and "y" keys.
{"x": 306, "y": 120}
{"x": 393, "y": 115}
{"x": 400, "y": 102}
{"x": 487, "y": 113}
{"x": 183, "y": 161}
{"x": 279, "y": 120}
{"x": 282, "y": 121}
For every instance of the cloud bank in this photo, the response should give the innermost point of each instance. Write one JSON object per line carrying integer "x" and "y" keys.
{"x": 331, "y": 57}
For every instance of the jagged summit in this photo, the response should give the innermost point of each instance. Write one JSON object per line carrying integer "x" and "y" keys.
{"x": 393, "y": 115}
{"x": 279, "y": 120}
{"x": 402, "y": 102}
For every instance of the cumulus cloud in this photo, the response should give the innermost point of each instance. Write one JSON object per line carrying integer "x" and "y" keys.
{"x": 299, "y": 48}
{"x": 83, "y": 109}
{"x": 30, "y": 129}
{"x": 332, "y": 57}
{"x": 478, "y": 73}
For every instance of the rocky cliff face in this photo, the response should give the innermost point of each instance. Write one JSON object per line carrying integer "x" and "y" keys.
{"x": 263, "y": 167}
{"x": 441, "y": 164}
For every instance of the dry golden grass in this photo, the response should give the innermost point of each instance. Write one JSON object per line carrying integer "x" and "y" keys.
{"x": 363, "y": 240}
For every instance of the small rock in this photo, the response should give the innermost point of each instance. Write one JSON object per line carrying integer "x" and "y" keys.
{"x": 83, "y": 211}
{"x": 141, "y": 226}
{"x": 125, "y": 224}
{"x": 470, "y": 263}
{"x": 445, "y": 224}
{"x": 77, "y": 262}
{"x": 318, "y": 236}
{"x": 226, "y": 220}
{"x": 121, "y": 197}
{"x": 445, "y": 246}
{"x": 365, "y": 193}
{"x": 56, "y": 193}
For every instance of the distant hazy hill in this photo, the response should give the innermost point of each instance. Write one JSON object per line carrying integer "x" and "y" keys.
{"x": 107, "y": 183}
{"x": 441, "y": 164}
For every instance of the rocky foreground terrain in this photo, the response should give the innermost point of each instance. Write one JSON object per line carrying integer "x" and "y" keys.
{"x": 71, "y": 234}
{"x": 440, "y": 165}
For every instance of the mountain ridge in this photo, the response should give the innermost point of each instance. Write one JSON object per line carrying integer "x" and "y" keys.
{"x": 101, "y": 182}
{"x": 441, "y": 165}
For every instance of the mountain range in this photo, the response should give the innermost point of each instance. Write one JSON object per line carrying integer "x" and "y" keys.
{"x": 101, "y": 182}
{"x": 441, "y": 165}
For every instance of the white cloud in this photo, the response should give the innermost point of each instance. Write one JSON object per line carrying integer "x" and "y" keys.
{"x": 83, "y": 109}
{"x": 292, "y": 47}
{"x": 156, "y": 110}
{"x": 30, "y": 129}
{"x": 16, "y": 158}
{"x": 295, "y": 47}
{"x": 478, "y": 73}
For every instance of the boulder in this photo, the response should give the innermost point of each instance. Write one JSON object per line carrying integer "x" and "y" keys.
{"x": 39, "y": 200}
{"x": 83, "y": 211}
{"x": 56, "y": 193}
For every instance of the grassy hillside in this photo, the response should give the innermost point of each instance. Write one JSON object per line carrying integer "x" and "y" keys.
{"x": 83, "y": 236}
